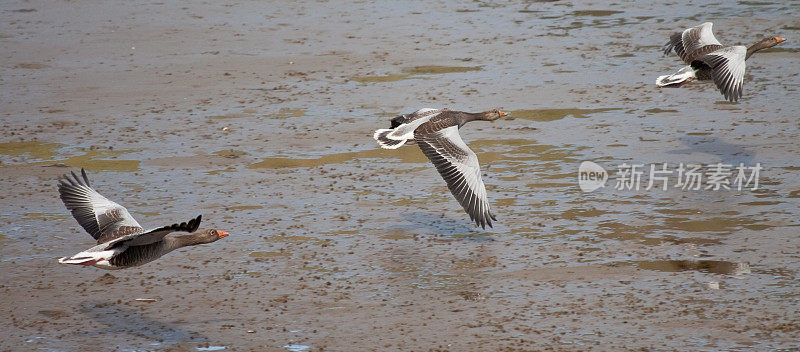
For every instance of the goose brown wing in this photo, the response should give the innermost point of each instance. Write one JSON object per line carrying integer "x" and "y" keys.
{"x": 100, "y": 217}
{"x": 727, "y": 68}
{"x": 408, "y": 118}
{"x": 158, "y": 234}
{"x": 459, "y": 167}
{"x": 693, "y": 42}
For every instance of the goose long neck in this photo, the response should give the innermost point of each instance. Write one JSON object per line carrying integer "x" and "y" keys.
{"x": 191, "y": 239}
{"x": 465, "y": 117}
{"x": 756, "y": 47}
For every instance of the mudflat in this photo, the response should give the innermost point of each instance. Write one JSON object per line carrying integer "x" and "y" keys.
{"x": 259, "y": 116}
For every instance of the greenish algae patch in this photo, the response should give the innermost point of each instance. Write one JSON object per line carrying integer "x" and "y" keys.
{"x": 36, "y": 150}
{"x": 658, "y": 111}
{"x": 286, "y": 113}
{"x": 545, "y": 115}
{"x": 44, "y": 216}
{"x": 96, "y": 160}
{"x": 148, "y": 213}
{"x": 386, "y": 78}
{"x": 411, "y": 72}
{"x": 92, "y": 160}
{"x": 398, "y": 235}
{"x": 756, "y": 3}
{"x": 217, "y": 172}
{"x": 230, "y": 153}
{"x": 436, "y": 69}
{"x": 406, "y": 155}
{"x": 595, "y": 13}
{"x": 708, "y": 266}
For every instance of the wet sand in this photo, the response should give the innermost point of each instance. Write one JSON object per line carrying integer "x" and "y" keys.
{"x": 259, "y": 115}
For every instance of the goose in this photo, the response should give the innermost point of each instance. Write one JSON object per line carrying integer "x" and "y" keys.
{"x": 121, "y": 241}
{"x": 708, "y": 59}
{"x": 436, "y": 133}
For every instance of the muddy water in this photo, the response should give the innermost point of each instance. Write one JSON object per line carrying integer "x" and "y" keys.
{"x": 260, "y": 116}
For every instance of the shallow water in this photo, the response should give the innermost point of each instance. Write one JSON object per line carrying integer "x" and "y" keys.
{"x": 260, "y": 117}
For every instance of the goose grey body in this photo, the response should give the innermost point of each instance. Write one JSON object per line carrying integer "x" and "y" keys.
{"x": 121, "y": 241}
{"x": 436, "y": 134}
{"x": 708, "y": 59}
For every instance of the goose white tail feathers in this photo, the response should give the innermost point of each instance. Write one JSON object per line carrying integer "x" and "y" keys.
{"x": 385, "y": 141}
{"x": 87, "y": 258}
{"x": 683, "y": 75}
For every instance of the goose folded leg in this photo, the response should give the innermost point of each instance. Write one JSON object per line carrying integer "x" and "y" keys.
{"x": 402, "y": 129}
{"x": 684, "y": 75}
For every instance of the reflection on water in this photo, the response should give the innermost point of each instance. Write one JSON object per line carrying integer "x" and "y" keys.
{"x": 706, "y": 266}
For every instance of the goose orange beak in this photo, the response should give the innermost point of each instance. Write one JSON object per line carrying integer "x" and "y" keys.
{"x": 222, "y": 234}
{"x": 779, "y": 39}
{"x": 502, "y": 113}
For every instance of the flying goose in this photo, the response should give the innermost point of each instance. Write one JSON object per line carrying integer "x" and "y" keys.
{"x": 708, "y": 59}
{"x": 436, "y": 133}
{"x": 121, "y": 241}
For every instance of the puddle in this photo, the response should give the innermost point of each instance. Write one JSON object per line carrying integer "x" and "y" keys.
{"x": 212, "y": 348}
{"x": 412, "y": 72}
{"x": 34, "y": 150}
{"x": 545, "y": 115}
{"x": 296, "y": 348}
{"x": 706, "y": 266}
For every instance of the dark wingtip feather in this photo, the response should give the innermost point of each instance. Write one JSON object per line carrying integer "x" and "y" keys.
{"x": 667, "y": 48}
{"x": 85, "y": 178}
